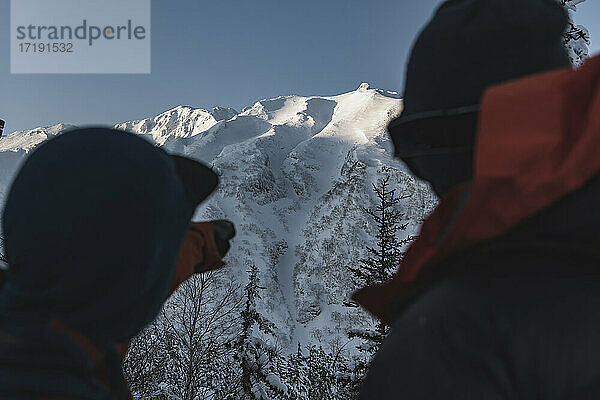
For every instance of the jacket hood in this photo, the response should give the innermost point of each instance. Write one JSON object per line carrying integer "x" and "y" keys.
{"x": 538, "y": 141}
{"x": 93, "y": 223}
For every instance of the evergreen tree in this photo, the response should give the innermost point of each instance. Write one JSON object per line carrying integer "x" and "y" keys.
{"x": 259, "y": 378}
{"x": 3, "y": 262}
{"x": 2, "y": 257}
{"x": 383, "y": 259}
{"x": 321, "y": 374}
{"x": 380, "y": 264}
{"x": 577, "y": 37}
{"x": 296, "y": 376}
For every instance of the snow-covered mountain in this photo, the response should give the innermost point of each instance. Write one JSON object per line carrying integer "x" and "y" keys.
{"x": 27, "y": 140}
{"x": 179, "y": 122}
{"x": 15, "y": 147}
{"x": 296, "y": 173}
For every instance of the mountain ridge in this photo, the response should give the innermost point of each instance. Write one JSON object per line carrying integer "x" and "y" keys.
{"x": 296, "y": 174}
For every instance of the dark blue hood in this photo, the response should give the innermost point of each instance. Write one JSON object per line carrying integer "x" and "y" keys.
{"x": 93, "y": 224}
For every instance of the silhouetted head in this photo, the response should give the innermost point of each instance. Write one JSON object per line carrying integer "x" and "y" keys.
{"x": 93, "y": 224}
{"x": 468, "y": 46}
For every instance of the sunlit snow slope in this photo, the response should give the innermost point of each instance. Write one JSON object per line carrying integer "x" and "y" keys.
{"x": 296, "y": 173}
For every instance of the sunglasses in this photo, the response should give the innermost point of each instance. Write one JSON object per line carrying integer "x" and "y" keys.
{"x": 434, "y": 132}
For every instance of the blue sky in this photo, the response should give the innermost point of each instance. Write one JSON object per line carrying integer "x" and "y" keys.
{"x": 233, "y": 53}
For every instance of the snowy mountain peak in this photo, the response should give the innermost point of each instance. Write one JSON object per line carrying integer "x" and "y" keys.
{"x": 267, "y": 109}
{"x": 28, "y": 140}
{"x": 364, "y": 87}
{"x": 181, "y": 122}
{"x": 223, "y": 113}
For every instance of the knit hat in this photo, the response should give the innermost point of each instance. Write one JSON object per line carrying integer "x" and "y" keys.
{"x": 470, "y": 45}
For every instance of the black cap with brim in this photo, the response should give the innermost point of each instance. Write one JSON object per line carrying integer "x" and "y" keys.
{"x": 198, "y": 179}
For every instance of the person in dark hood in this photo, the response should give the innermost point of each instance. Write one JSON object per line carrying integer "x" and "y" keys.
{"x": 98, "y": 232}
{"x": 498, "y": 297}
